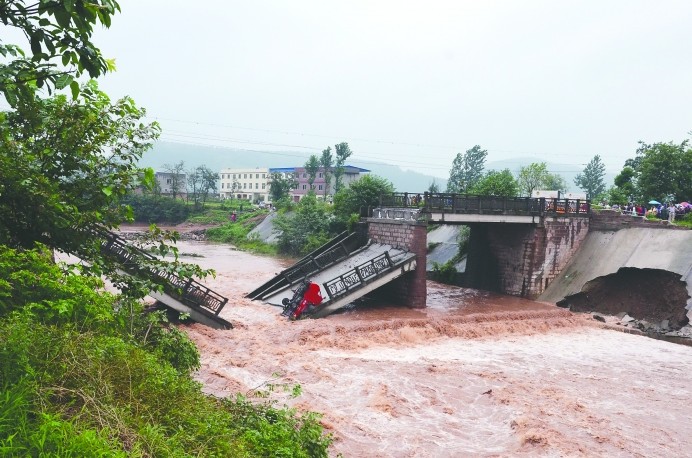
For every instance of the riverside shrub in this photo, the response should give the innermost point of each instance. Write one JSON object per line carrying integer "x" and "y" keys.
{"x": 83, "y": 373}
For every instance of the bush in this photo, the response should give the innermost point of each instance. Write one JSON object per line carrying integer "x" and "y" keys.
{"x": 156, "y": 209}
{"x": 85, "y": 373}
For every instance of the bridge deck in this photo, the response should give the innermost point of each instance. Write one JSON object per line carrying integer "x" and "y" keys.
{"x": 463, "y": 208}
{"x": 183, "y": 295}
{"x": 351, "y": 278}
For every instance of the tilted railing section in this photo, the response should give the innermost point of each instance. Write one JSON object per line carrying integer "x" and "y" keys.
{"x": 358, "y": 276}
{"x": 189, "y": 291}
{"x": 465, "y": 203}
{"x": 317, "y": 263}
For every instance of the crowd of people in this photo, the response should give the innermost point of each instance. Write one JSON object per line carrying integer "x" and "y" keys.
{"x": 669, "y": 211}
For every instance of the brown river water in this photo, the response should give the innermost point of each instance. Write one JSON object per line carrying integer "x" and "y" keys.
{"x": 474, "y": 374}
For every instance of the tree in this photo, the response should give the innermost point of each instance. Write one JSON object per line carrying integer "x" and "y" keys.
{"x": 433, "y": 188}
{"x": 65, "y": 165}
{"x": 59, "y": 37}
{"x": 327, "y": 162}
{"x": 306, "y": 229}
{"x": 591, "y": 179}
{"x": 281, "y": 185}
{"x": 665, "y": 171}
{"x": 532, "y": 176}
{"x": 202, "y": 182}
{"x": 177, "y": 177}
{"x": 625, "y": 189}
{"x": 554, "y": 182}
{"x": 342, "y": 152}
{"x": 467, "y": 170}
{"x": 496, "y": 183}
{"x": 312, "y": 166}
{"x": 364, "y": 192}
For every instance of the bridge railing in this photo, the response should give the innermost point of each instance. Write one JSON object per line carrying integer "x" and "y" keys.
{"x": 189, "y": 291}
{"x": 358, "y": 276}
{"x": 473, "y": 204}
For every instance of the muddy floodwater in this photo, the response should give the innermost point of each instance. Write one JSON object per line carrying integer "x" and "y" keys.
{"x": 474, "y": 374}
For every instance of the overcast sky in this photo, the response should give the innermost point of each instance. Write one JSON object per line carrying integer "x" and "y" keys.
{"x": 410, "y": 82}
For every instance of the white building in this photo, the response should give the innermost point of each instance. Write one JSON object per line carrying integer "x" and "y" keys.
{"x": 170, "y": 183}
{"x": 247, "y": 184}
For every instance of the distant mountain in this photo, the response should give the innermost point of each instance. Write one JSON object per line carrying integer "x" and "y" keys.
{"x": 217, "y": 158}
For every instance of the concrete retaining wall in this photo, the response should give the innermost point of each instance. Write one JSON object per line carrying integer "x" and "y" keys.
{"x": 605, "y": 252}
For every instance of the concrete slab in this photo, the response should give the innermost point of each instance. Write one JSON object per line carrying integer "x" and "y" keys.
{"x": 604, "y": 253}
{"x": 356, "y": 259}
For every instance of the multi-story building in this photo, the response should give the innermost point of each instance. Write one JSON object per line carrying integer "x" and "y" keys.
{"x": 351, "y": 174}
{"x": 171, "y": 184}
{"x": 254, "y": 184}
{"x": 247, "y": 184}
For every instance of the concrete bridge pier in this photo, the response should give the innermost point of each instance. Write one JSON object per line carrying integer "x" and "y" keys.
{"x": 409, "y": 289}
{"x": 521, "y": 259}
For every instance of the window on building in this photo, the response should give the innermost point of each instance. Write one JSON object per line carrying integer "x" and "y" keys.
{"x": 305, "y": 175}
{"x": 256, "y": 175}
{"x": 256, "y": 185}
{"x": 264, "y": 185}
{"x": 305, "y": 186}
{"x": 234, "y": 176}
{"x": 320, "y": 187}
{"x": 264, "y": 176}
{"x": 245, "y": 175}
{"x": 320, "y": 175}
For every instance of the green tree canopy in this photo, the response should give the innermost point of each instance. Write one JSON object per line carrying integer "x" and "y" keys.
{"x": 467, "y": 169}
{"x": 327, "y": 162}
{"x": 364, "y": 192}
{"x": 591, "y": 179}
{"x": 66, "y": 163}
{"x": 666, "y": 170}
{"x": 312, "y": 166}
{"x": 343, "y": 152}
{"x": 496, "y": 183}
{"x": 58, "y": 33}
{"x": 533, "y": 176}
{"x": 281, "y": 185}
{"x": 305, "y": 229}
{"x": 625, "y": 189}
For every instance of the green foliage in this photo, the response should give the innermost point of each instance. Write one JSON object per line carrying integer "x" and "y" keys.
{"x": 536, "y": 176}
{"x": 202, "y": 183}
{"x": 305, "y": 229}
{"x": 66, "y": 163}
{"x": 467, "y": 169}
{"x": 59, "y": 37}
{"x": 148, "y": 208}
{"x": 326, "y": 162}
{"x": 237, "y": 233}
{"x": 280, "y": 185}
{"x": 445, "y": 273}
{"x": 362, "y": 193}
{"x": 496, "y": 183}
{"x": 591, "y": 179}
{"x": 311, "y": 167}
{"x": 625, "y": 189}
{"x": 554, "y": 182}
{"x": 665, "y": 170}
{"x": 72, "y": 385}
{"x": 343, "y": 152}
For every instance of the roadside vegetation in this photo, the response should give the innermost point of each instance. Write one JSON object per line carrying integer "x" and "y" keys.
{"x": 86, "y": 372}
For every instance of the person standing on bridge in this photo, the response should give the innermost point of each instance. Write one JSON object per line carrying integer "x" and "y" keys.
{"x": 671, "y": 213}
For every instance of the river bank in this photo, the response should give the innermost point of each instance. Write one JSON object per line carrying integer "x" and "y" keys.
{"x": 473, "y": 374}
